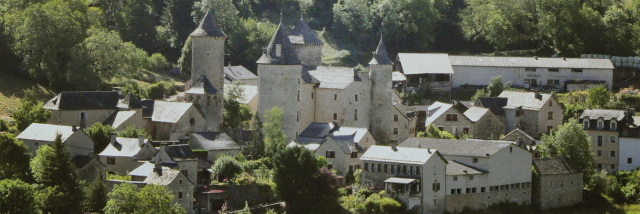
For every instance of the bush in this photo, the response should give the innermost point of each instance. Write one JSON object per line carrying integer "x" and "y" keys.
{"x": 388, "y": 205}
{"x": 226, "y": 167}
{"x": 159, "y": 90}
{"x": 157, "y": 62}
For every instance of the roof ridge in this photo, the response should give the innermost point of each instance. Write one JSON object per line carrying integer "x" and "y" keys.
{"x": 287, "y": 53}
{"x": 208, "y": 27}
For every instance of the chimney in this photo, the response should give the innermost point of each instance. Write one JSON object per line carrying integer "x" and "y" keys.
{"x": 535, "y": 57}
{"x": 278, "y": 50}
{"x": 538, "y": 96}
{"x": 140, "y": 140}
{"x": 74, "y": 128}
{"x": 429, "y": 150}
{"x": 118, "y": 90}
{"x": 394, "y": 148}
{"x": 158, "y": 168}
{"x": 112, "y": 137}
{"x": 564, "y": 58}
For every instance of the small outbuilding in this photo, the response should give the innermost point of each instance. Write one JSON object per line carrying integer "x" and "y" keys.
{"x": 559, "y": 183}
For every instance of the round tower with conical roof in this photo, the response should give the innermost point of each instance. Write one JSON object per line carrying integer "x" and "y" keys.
{"x": 380, "y": 69}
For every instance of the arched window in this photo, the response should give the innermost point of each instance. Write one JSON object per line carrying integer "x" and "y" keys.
{"x": 208, "y": 101}
{"x": 585, "y": 123}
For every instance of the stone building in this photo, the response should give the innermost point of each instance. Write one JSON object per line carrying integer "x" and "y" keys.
{"x": 481, "y": 172}
{"x": 89, "y": 168}
{"x": 457, "y": 119}
{"x": 123, "y": 155}
{"x": 178, "y": 157}
{"x": 560, "y": 183}
{"x": 241, "y": 74}
{"x": 415, "y": 176}
{"x": 175, "y": 120}
{"x": 290, "y": 76}
{"x": 215, "y": 143}
{"x": 522, "y": 139}
{"x": 404, "y": 121}
{"x": 603, "y": 127}
{"x": 176, "y": 182}
{"x": 75, "y": 140}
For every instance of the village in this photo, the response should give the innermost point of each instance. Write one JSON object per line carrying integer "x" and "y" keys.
{"x": 426, "y": 133}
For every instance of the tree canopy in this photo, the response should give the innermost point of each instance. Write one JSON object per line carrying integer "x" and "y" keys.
{"x": 16, "y": 196}
{"x": 126, "y": 198}
{"x": 274, "y": 137}
{"x": 573, "y": 142}
{"x": 14, "y": 159}
{"x": 30, "y": 111}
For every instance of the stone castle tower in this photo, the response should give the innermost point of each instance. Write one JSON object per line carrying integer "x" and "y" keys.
{"x": 307, "y": 45}
{"x": 207, "y": 74}
{"x": 380, "y": 74}
{"x": 279, "y": 80}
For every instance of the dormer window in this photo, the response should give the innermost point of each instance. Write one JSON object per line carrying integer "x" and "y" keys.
{"x": 613, "y": 124}
{"x": 600, "y": 124}
{"x": 585, "y": 123}
{"x": 278, "y": 50}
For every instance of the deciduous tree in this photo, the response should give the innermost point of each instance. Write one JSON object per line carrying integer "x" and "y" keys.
{"x": 17, "y": 196}
{"x": 573, "y": 142}
{"x": 30, "y": 111}
{"x": 274, "y": 137}
{"x": 14, "y": 159}
{"x": 100, "y": 135}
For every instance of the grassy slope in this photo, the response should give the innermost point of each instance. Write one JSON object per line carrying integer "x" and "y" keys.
{"x": 11, "y": 88}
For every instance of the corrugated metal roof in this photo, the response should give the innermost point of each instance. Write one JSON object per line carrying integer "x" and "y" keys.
{"x": 399, "y": 155}
{"x": 425, "y": 63}
{"x": 530, "y": 62}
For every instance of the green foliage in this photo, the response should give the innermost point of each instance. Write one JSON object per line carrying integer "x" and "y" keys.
{"x": 134, "y": 20}
{"x": 133, "y": 132}
{"x": 132, "y": 87}
{"x": 598, "y": 96}
{"x": 322, "y": 162}
{"x": 100, "y": 135}
{"x": 496, "y": 87}
{"x": 125, "y": 198}
{"x": 17, "y": 196}
{"x": 433, "y": 132}
{"x": 97, "y": 198}
{"x": 274, "y": 137}
{"x": 226, "y": 168}
{"x": 237, "y": 115}
{"x": 246, "y": 209}
{"x": 110, "y": 56}
{"x": 185, "y": 58}
{"x": 30, "y": 111}
{"x": 256, "y": 146}
{"x": 573, "y": 142}
{"x": 201, "y": 153}
{"x": 176, "y": 23}
{"x": 59, "y": 189}
{"x": 14, "y": 159}
{"x": 6, "y": 127}
{"x": 159, "y": 90}
{"x": 118, "y": 177}
{"x": 357, "y": 176}
{"x": 157, "y": 62}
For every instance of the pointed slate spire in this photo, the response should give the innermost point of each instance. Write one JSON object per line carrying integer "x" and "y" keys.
{"x": 279, "y": 43}
{"x": 302, "y": 34}
{"x": 209, "y": 27}
{"x": 380, "y": 56}
{"x": 202, "y": 86}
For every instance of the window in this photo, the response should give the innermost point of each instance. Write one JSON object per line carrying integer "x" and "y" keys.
{"x": 458, "y": 191}
{"x": 354, "y": 155}
{"x": 553, "y": 70}
{"x": 612, "y": 154}
{"x": 613, "y": 125}
{"x": 413, "y": 170}
{"x": 483, "y": 189}
{"x": 629, "y": 160}
{"x": 441, "y": 128}
{"x": 185, "y": 172}
{"x": 407, "y": 170}
{"x": 395, "y": 168}
{"x": 417, "y": 170}
{"x": 599, "y": 138}
{"x": 576, "y": 70}
{"x": 475, "y": 160}
{"x": 550, "y": 102}
{"x": 453, "y": 191}
{"x": 311, "y": 95}
{"x": 387, "y": 168}
{"x": 192, "y": 122}
{"x": 355, "y": 115}
{"x": 549, "y": 128}
{"x": 179, "y": 195}
{"x": 600, "y": 124}
{"x": 335, "y": 97}
{"x": 530, "y": 69}
{"x": 356, "y": 98}
{"x": 435, "y": 186}
{"x": 550, "y": 115}
{"x": 82, "y": 116}
{"x": 329, "y": 166}
{"x": 367, "y": 167}
{"x": 465, "y": 130}
{"x": 395, "y": 131}
{"x": 335, "y": 116}
{"x": 467, "y": 191}
{"x": 452, "y": 117}
{"x": 470, "y": 177}
{"x": 518, "y": 113}
{"x": 395, "y": 117}
{"x": 298, "y": 95}
{"x": 585, "y": 123}
{"x": 613, "y": 139}
{"x": 531, "y": 82}
{"x": 330, "y": 154}
{"x": 474, "y": 189}
{"x": 455, "y": 178}
{"x": 111, "y": 160}
{"x": 298, "y": 117}
{"x": 599, "y": 153}
{"x": 561, "y": 183}
{"x": 613, "y": 166}
{"x": 375, "y": 167}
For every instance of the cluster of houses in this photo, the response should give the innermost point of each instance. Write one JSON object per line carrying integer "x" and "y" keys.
{"x": 347, "y": 116}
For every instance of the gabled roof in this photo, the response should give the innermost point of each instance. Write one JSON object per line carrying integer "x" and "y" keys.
{"x": 83, "y": 100}
{"x": 399, "y": 155}
{"x": 119, "y": 117}
{"x": 202, "y": 86}
{"x": 208, "y": 27}
{"x": 554, "y": 166}
{"x": 457, "y": 168}
{"x": 380, "y": 56}
{"x": 358, "y": 133}
{"x": 147, "y": 108}
{"x": 145, "y": 169}
{"x": 333, "y": 76}
{"x": 288, "y": 55}
{"x": 425, "y": 63}
{"x": 436, "y": 110}
{"x": 495, "y": 104}
{"x": 167, "y": 177}
{"x": 605, "y": 114}
{"x": 520, "y": 132}
{"x": 169, "y": 112}
{"x": 398, "y": 76}
{"x": 470, "y": 147}
{"x": 238, "y": 73}
{"x": 530, "y": 62}
{"x": 213, "y": 141}
{"x": 129, "y": 101}
{"x": 302, "y": 34}
{"x": 317, "y": 130}
{"x": 250, "y": 91}
{"x": 475, "y": 113}
{"x": 346, "y": 143}
{"x": 179, "y": 152}
{"x": 524, "y": 99}
{"x": 45, "y": 132}
{"x": 124, "y": 147}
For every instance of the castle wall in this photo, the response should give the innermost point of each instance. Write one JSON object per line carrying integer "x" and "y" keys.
{"x": 307, "y": 105}
{"x": 208, "y": 58}
{"x": 381, "y": 102}
{"x": 278, "y": 85}
{"x": 309, "y": 54}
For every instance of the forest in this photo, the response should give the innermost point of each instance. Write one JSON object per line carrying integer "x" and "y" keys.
{"x": 82, "y": 44}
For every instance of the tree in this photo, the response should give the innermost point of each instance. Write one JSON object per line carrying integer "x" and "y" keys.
{"x": 185, "y": 58}
{"x": 295, "y": 170}
{"x": 100, "y": 134}
{"x": 59, "y": 188}
{"x": 256, "y": 146}
{"x": 132, "y": 132}
{"x": 30, "y": 111}
{"x": 14, "y": 159}
{"x": 274, "y": 137}
{"x": 123, "y": 199}
{"x": 17, "y": 196}
{"x": 160, "y": 90}
{"x": 155, "y": 199}
{"x": 496, "y": 87}
{"x": 237, "y": 115}
{"x": 132, "y": 87}
{"x": 433, "y": 132}
{"x": 176, "y": 23}
{"x": 226, "y": 167}
{"x": 598, "y": 96}
{"x": 134, "y": 20}
{"x": 97, "y": 196}
{"x": 573, "y": 142}
{"x": 110, "y": 56}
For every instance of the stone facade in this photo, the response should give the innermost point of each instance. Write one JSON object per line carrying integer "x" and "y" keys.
{"x": 309, "y": 54}
{"x": 603, "y": 146}
{"x": 381, "y": 102}
{"x": 278, "y": 86}
{"x": 488, "y": 127}
{"x": 455, "y": 127}
{"x": 478, "y": 201}
{"x": 562, "y": 190}
{"x": 72, "y": 117}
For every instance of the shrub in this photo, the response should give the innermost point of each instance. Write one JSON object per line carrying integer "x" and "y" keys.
{"x": 388, "y": 205}
{"x": 159, "y": 90}
{"x": 157, "y": 62}
{"x": 226, "y": 167}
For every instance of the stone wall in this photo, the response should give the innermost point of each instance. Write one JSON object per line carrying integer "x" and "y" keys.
{"x": 560, "y": 190}
{"x": 208, "y": 58}
{"x": 381, "y": 102}
{"x": 72, "y": 118}
{"x": 449, "y": 126}
{"x": 488, "y": 127}
{"x": 123, "y": 165}
{"x": 309, "y": 54}
{"x": 554, "y": 106}
{"x": 278, "y": 85}
{"x": 476, "y": 201}
{"x": 252, "y": 194}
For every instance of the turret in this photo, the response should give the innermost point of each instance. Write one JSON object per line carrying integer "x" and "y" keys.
{"x": 306, "y": 44}
{"x": 380, "y": 68}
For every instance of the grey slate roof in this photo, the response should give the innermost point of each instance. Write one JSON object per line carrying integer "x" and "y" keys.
{"x": 209, "y": 27}
{"x": 530, "y": 62}
{"x": 457, "y": 168}
{"x": 495, "y": 104}
{"x": 554, "y": 166}
{"x": 83, "y": 100}
{"x": 169, "y": 112}
{"x": 124, "y": 147}
{"x": 470, "y": 147}
{"x": 45, "y": 132}
{"x": 333, "y": 76}
{"x": 317, "y": 130}
{"x": 346, "y": 144}
{"x": 167, "y": 177}
{"x": 524, "y": 99}
{"x": 302, "y": 34}
{"x": 147, "y": 108}
{"x": 399, "y": 155}
{"x": 238, "y": 73}
{"x": 145, "y": 169}
{"x": 288, "y": 55}
{"x": 520, "y": 132}
{"x": 116, "y": 120}
{"x": 212, "y": 141}
{"x": 179, "y": 152}
{"x": 81, "y": 161}
{"x": 202, "y": 86}
{"x": 129, "y": 101}
{"x": 475, "y": 113}
{"x": 309, "y": 140}
{"x": 380, "y": 56}
{"x": 436, "y": 110}
{"x": 605, "y": 114}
